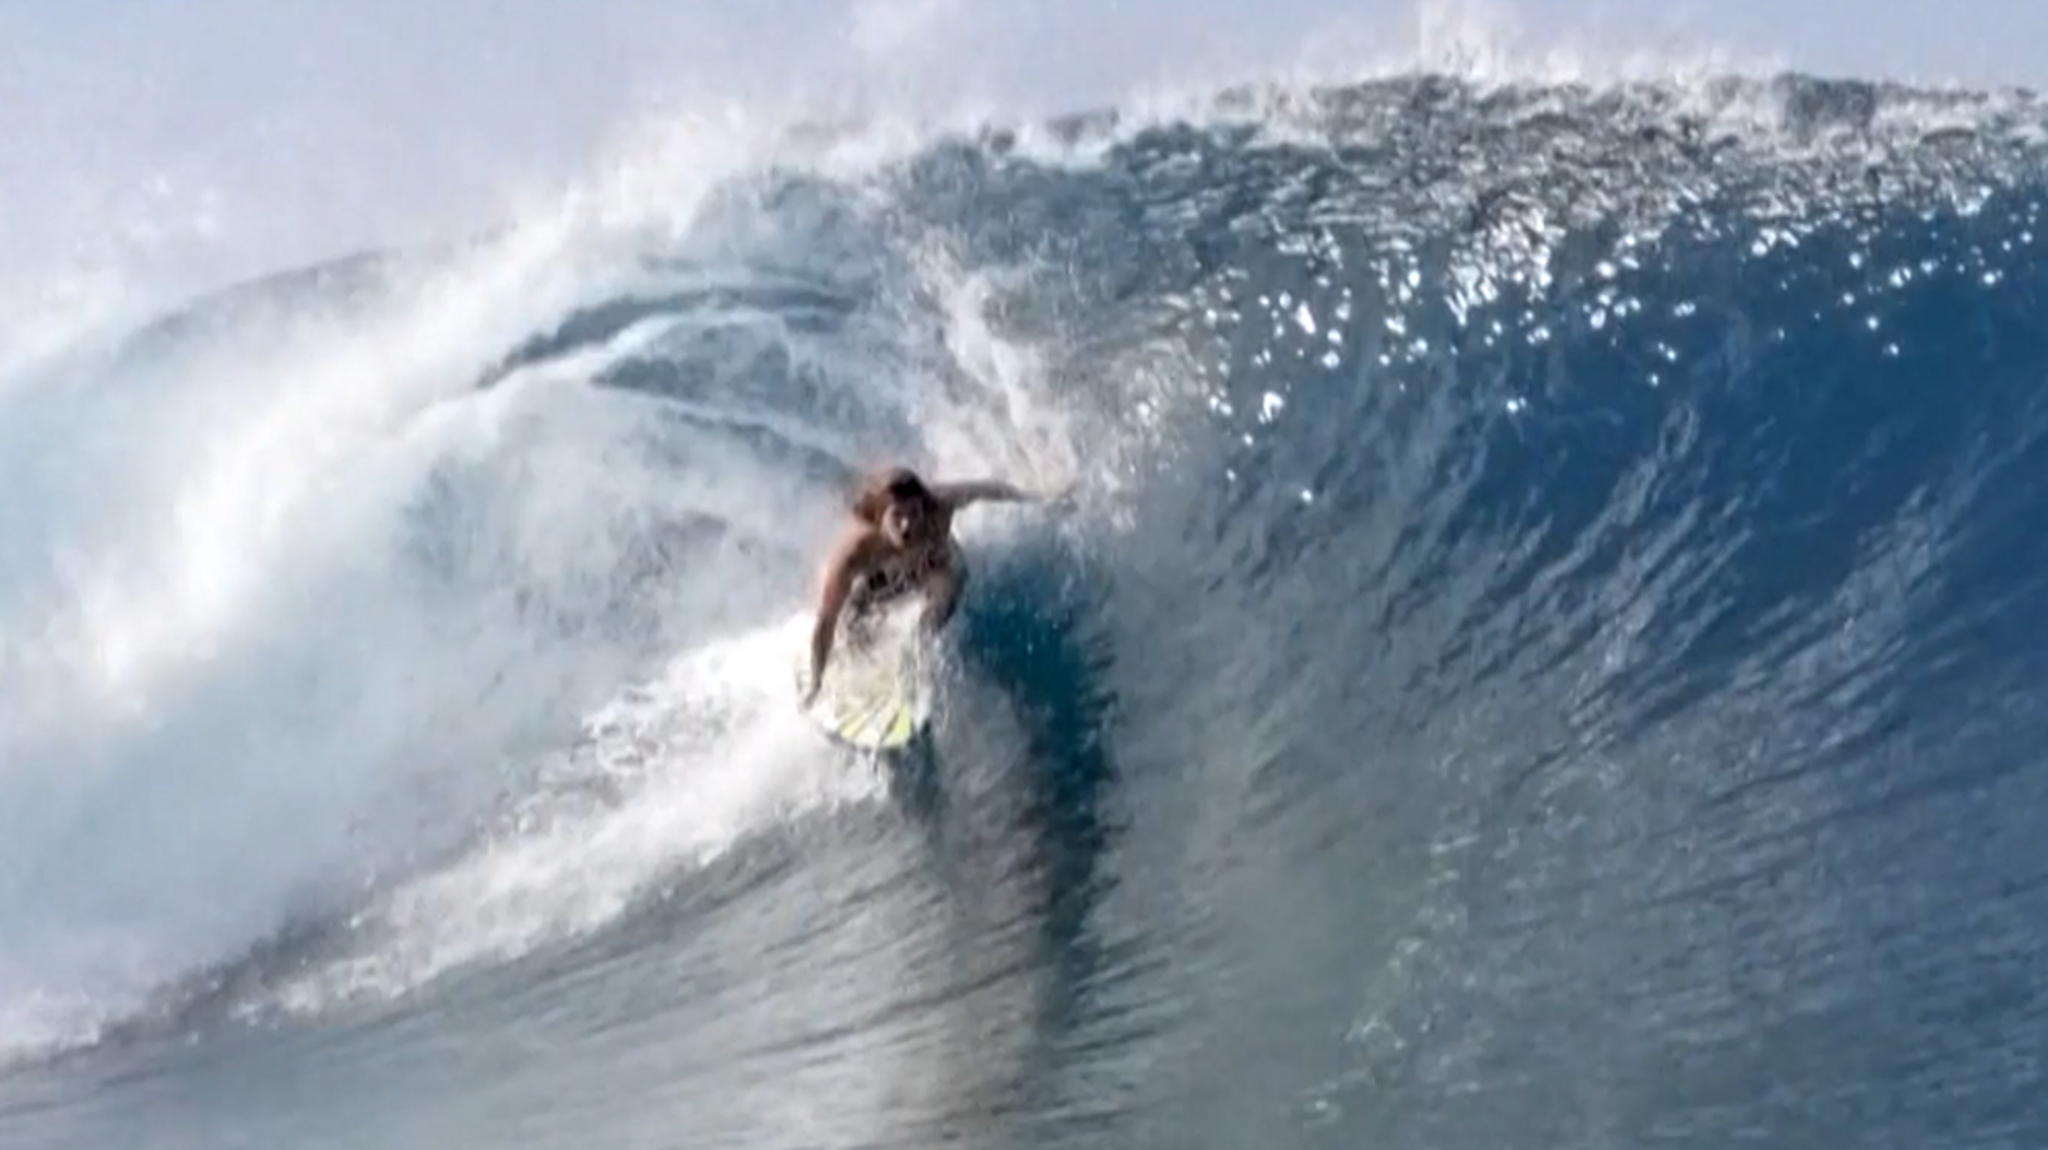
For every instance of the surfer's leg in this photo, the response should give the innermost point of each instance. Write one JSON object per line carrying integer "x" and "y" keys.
{"x": 858, "y": 630}
{"x": 942, "y": 590}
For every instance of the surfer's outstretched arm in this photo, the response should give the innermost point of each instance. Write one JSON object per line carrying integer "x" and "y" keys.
{"x": 958, "y": 495}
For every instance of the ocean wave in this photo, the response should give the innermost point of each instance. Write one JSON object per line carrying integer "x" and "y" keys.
{"x": 1542, "y": 648}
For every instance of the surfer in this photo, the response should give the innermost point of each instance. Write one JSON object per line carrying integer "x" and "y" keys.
{"x": 900, "y": 543}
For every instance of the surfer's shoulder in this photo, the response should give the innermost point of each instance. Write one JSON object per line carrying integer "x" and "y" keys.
{"x": 857, "y": 548}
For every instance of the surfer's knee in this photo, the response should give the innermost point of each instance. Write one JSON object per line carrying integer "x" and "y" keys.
{"x": 860, "y": 631}
{"x": 942, "y": 596}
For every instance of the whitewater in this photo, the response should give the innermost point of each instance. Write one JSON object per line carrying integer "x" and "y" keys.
{"x": 1544, "y": 649}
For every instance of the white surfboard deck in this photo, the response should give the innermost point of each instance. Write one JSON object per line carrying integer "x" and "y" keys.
{"x": 876, "y": 696}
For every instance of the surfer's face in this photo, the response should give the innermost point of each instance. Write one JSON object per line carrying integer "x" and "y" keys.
{"x": 903, "y": 521}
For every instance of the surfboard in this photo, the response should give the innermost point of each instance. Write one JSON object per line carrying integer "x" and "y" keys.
{"x": 875, "y": 696}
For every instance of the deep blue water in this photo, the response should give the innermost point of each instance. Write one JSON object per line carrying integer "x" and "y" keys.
{"x": 1544, "y": 652}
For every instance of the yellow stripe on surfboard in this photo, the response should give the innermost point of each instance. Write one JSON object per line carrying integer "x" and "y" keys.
{"x": 872, "y": 697}
{"x": 886, "y": 724}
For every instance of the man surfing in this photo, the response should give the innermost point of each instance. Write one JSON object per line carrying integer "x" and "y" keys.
{"x": 899, "y": 543}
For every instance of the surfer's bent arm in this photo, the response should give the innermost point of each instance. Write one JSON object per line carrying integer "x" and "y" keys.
{"x": 837, "y": 582}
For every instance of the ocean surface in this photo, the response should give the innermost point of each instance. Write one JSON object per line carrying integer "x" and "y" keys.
{"x": 1545, "y": 649}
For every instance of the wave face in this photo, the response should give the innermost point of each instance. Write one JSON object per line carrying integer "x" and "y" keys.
{"x": 1544, "y": 651}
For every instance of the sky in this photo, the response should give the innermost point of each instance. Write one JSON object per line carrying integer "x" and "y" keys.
{"x": 171, "y": 141}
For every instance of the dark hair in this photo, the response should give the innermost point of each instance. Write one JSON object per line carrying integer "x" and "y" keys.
{"x": 879, "y": 490}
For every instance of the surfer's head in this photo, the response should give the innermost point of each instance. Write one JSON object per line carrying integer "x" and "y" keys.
{"x": 898, "y": 502}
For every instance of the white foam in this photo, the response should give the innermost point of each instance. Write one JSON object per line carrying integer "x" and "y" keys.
{"x": 228, "y": 683}
{"x": 688, "y": 765}
{"x": 236, "y": 700}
